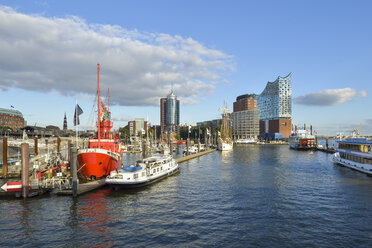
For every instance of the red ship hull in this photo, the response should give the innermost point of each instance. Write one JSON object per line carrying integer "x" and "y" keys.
{"x": 97, "y": 163}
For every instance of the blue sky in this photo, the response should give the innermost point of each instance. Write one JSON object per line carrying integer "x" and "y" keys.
{"x": 210, "y": 50}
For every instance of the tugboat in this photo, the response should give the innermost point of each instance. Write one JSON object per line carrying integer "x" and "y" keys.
{"x": 144, "y": 172}
{"x": 302, "y": 140}
{"x": 103, "y": 154}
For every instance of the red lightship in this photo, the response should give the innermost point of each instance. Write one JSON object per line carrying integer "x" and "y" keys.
{"x": 103, "y": 154}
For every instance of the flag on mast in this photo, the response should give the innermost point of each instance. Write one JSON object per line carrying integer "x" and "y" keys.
{"x": 78, "y": 111}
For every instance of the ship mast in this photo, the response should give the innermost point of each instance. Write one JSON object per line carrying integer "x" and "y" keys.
{"x": 99, "y": 111}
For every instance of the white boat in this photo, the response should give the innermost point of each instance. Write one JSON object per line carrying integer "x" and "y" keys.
{"x": 355, "y": 153}
{"x": 144, "y": 172}
{"x": 224, "y": 145}
{"x": 192, "y": 150}
{"x": 249, "y": 140}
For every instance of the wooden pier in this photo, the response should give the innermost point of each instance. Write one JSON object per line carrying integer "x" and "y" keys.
{"x": 186, "y": 158}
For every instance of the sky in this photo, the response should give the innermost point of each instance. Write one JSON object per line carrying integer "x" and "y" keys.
{"x": 208, "y": 51}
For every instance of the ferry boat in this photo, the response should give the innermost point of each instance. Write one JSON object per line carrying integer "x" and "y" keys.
{"x": 144, "y": 172}
{"x": 104, "y": 152}
{"x": 302, "y": 140}
{"x": 355, "y": 153}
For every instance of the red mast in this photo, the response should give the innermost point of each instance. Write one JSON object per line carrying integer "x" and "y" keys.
{"x": 108, "y": 99}
{"x": 99, "y": 111}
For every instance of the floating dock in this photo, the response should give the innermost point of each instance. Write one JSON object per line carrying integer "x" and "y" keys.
{"x": 84, "y": 188}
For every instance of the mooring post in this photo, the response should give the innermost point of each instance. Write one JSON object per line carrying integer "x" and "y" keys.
{"x": 171, "y": 147}
{"x": 36, "y": 148}
{"x": 58, "y": 146}
{"x": 198, "y": 145}
{"x": 5, "y": 157}
{"x": 73, "y": 163}
{"x": 25, "y": 169}
{"x": 187, "y": 146}
{"x": 69, "y": 147}
{"x": 143, "y": 147}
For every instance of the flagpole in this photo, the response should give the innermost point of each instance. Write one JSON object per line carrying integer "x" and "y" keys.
{"x": 77, "y": 123}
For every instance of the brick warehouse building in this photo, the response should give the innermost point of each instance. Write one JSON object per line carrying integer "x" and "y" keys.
{"x": 11, "y": 118}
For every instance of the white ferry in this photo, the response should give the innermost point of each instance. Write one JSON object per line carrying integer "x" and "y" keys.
{"x": 355, "y": 153}
{"x": 144, "y": 172}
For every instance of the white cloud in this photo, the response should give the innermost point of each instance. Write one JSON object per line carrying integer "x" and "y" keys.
{"x": 122, "y": 118}
{"x": 330, "y": 97}
{"x": 45, "y": 54}
{"x": 362, "y": 93}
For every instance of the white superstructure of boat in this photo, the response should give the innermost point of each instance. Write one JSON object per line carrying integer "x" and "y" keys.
{"x": 144, "y": 172}
{"x": 355, "y": 153}
{"x": 249, "y": 140}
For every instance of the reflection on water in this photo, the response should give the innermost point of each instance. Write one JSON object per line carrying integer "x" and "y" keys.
{"x": 253, "y": 196}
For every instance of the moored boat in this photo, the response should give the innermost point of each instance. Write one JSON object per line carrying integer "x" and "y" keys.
{"x": 355, "y": 153}
{"x": 302, "y": 140}
{"x": 249, "y": 140}
{"x": 144, "y": 172}
{"x": 104, "y": 152}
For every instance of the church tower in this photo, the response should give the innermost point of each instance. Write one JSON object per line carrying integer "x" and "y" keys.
{"x": 65, "y": 123}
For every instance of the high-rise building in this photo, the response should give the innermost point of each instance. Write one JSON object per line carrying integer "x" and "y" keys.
{"x": 169, "y": 113}
{"x": 275, "y": 105}
{"x": 163, "y": 114}
{"x": 65, "y": 123}
{"x": 11, "y": 118}
{"x": 245, "y": 118}
{"x": 173, "y": 110}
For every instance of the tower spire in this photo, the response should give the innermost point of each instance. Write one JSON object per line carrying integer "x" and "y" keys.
{"x": 65, "y": 123}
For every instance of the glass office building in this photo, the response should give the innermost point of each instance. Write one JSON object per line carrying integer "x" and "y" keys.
{"x": 245, "y": 124}
{"x": 172, "y": 110}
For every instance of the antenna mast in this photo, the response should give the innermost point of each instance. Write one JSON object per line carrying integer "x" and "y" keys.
{"x": 99, "y": 110}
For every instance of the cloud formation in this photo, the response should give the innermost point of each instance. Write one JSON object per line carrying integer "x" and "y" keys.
{"x": 330, "y": 97}
{"x": 44, "y": 54}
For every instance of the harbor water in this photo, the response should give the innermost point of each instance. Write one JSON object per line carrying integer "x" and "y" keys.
{"x": 253, "y": 196}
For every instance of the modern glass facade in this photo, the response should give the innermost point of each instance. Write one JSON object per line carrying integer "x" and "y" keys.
{"x": 275, "y": 102}
{"x": 245, "y": 124}
{"x": 173, "y": 110}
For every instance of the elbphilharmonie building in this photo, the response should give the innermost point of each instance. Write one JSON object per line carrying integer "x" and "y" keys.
{"x": 275, "y": 105}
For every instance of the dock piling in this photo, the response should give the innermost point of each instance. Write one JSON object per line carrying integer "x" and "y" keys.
{"x": 171, "y": 147}
{"x": 5, "y": 157}
{"x": 73, "y": 164}
{"x": 36, "y": 148}
{"x": 187, "y": 146}
{"x": 25, "y": 169}
{"x": 58, "y": 145}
